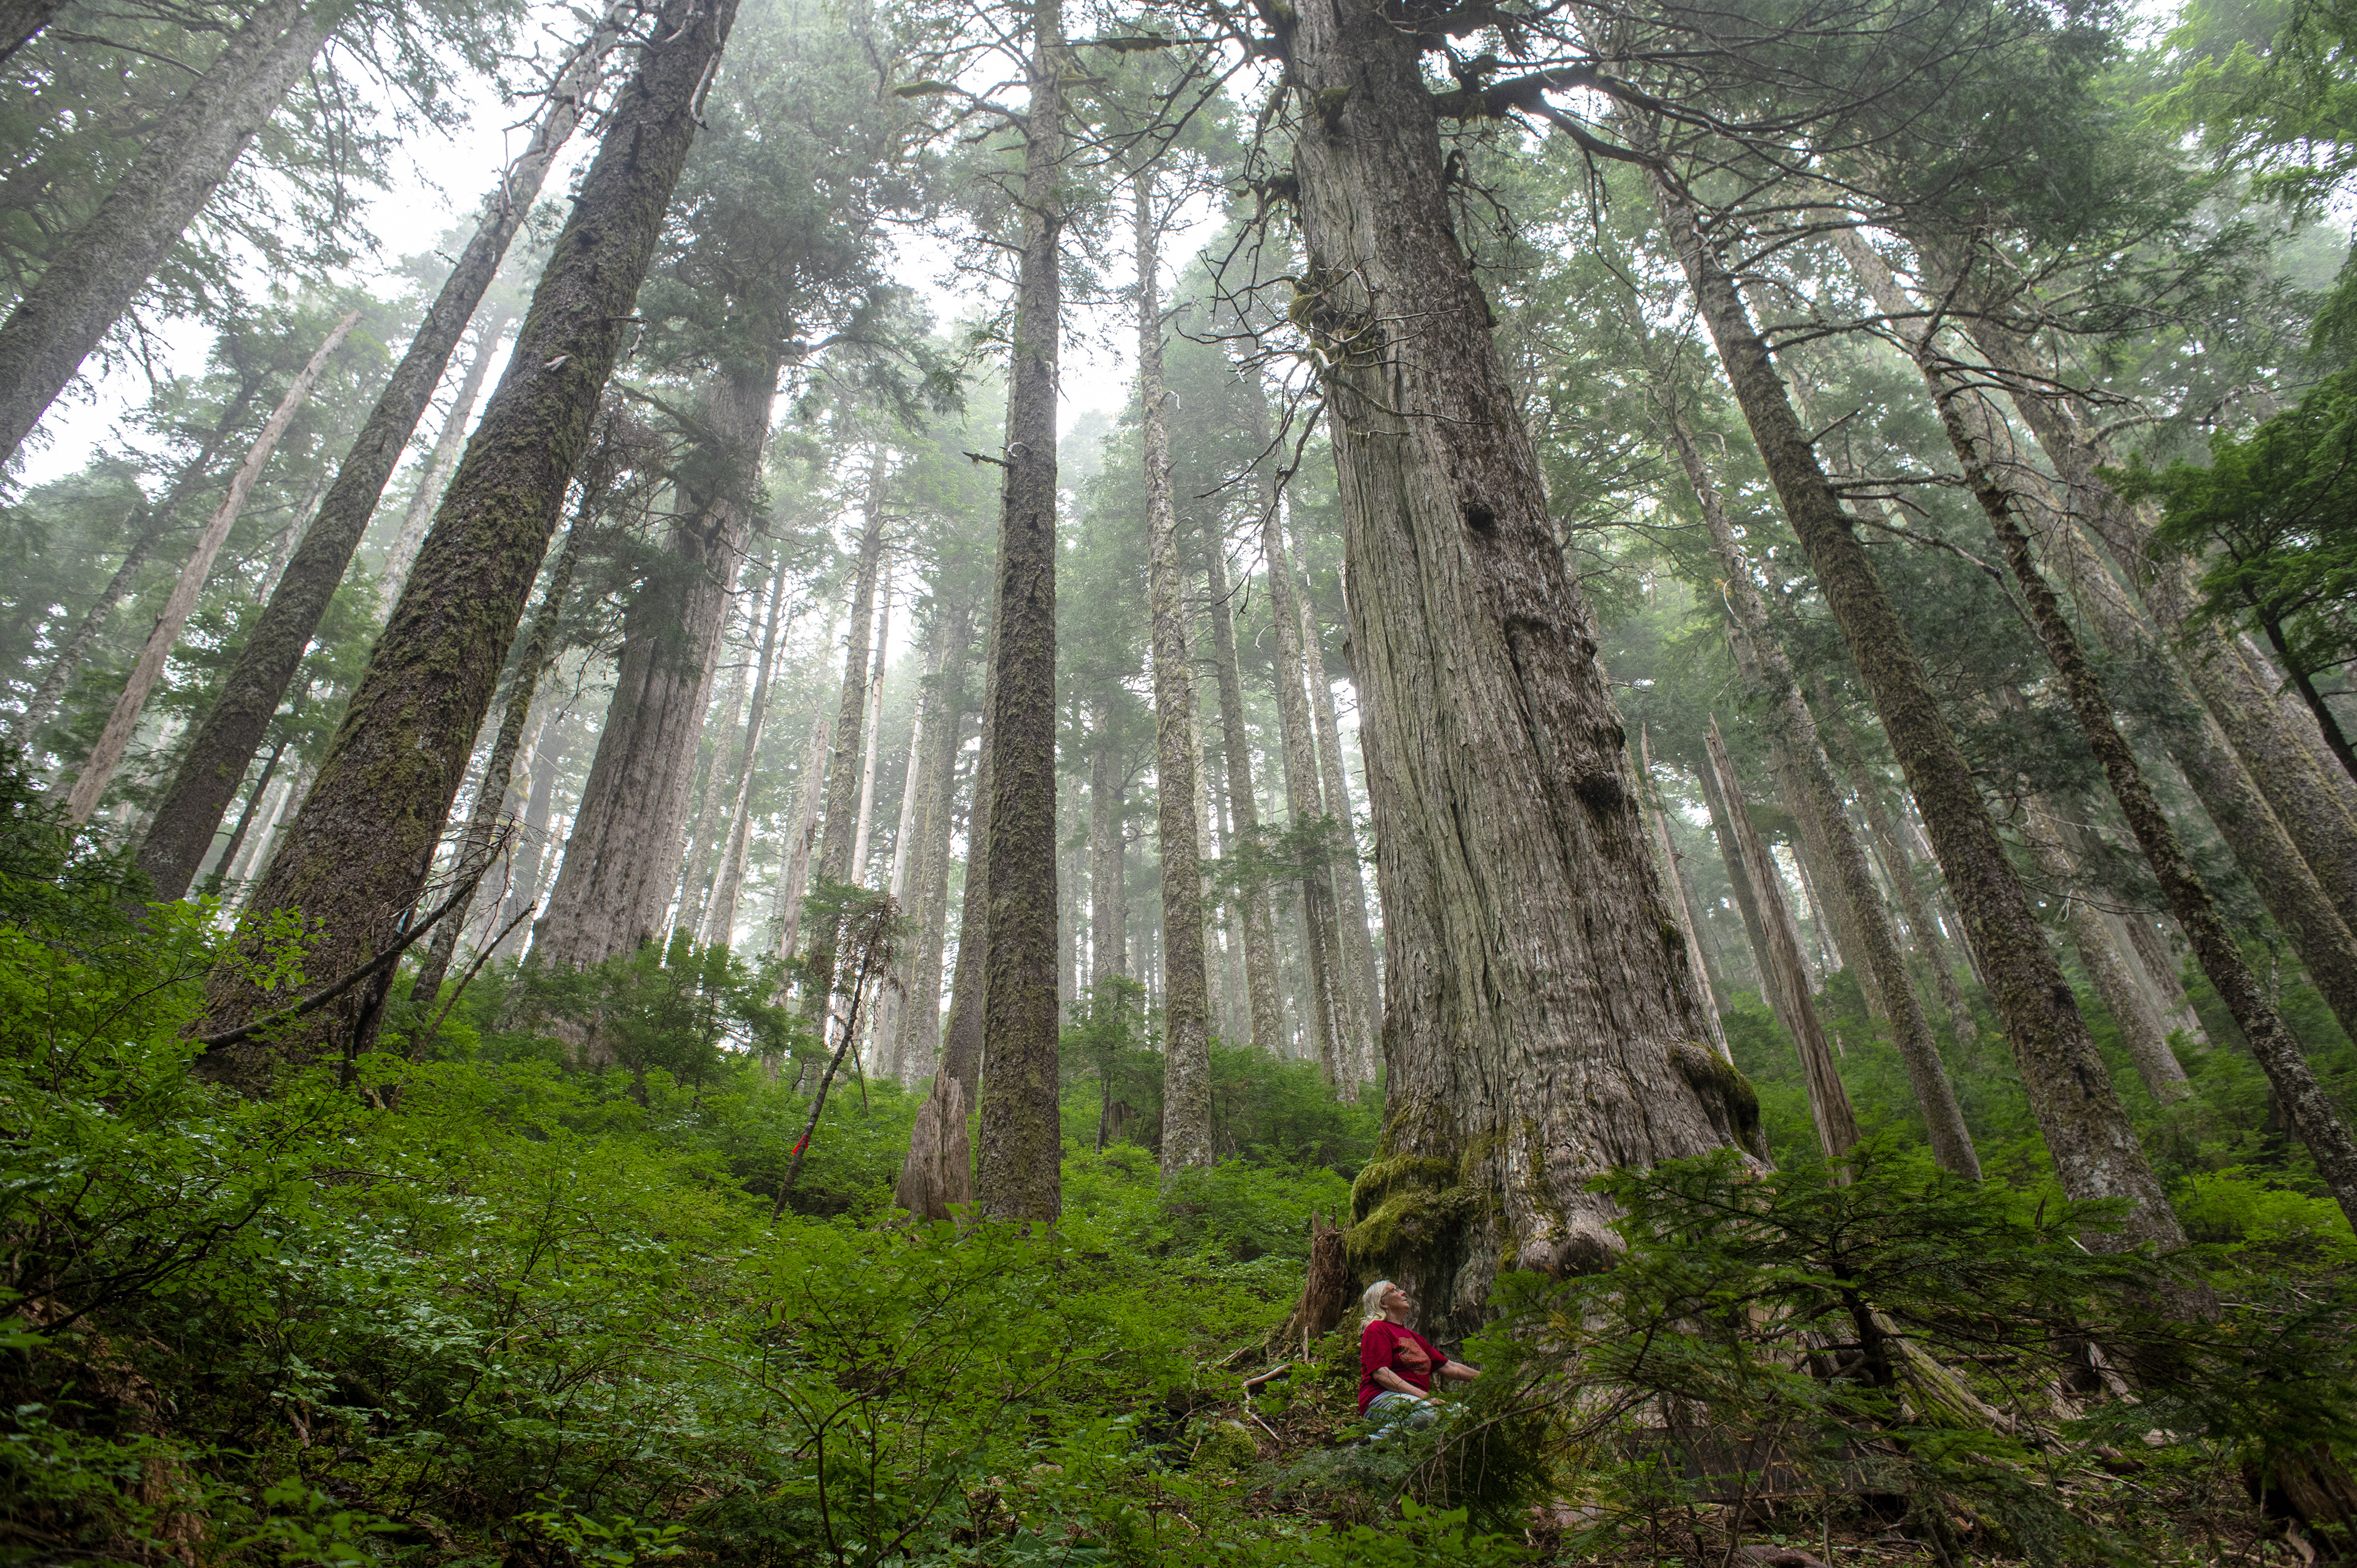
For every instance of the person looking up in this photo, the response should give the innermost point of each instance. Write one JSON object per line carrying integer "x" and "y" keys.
{"x": 1396, "y": 1364}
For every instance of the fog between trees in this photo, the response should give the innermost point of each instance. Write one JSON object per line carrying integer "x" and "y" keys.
{"x": 1696, "y": 637}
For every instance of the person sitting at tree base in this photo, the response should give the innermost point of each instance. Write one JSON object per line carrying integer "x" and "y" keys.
{"x": 1396, "y": 1364}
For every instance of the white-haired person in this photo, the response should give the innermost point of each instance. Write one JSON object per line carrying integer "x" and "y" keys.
{"x": 1396, "y": 1364}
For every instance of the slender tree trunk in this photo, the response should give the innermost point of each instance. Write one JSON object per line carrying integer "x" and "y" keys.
{"x": 484, "y": 828}
{"x": 1186, "y": 986}
{"x": 100, "y": 269}
{"x": 720, "y": 916}
{"x": 265, "y": 665}
{"x": 1264, "y": 985}
{"x": 2275, "y": 739}
{"x": 928, "y": 877}
{"x": 99, "y": 768}
{"x": 1747, "y": 898}
{"x": 961, "y": 1039}
{"x": 530, "y": 851}
{"x": 403, "y": 552}
{"x": 2157, "y": 963}
{"x": 1353, "y": 939}
{"x": 2095, "y": 1149}
{"x": 794, "y": 880}
{"x": 1899, "y": 869}
{"x": 1540, "y": 1023}
{"x": 699, "y": 868}
{"x": 356, "y": 856}
{"x": 1324, "y": 1009}
{"x": 904, "y": 847}
{"x": 1674, "y": 884}
{"x": 1108, "y": 900}
{"x": 254, "y": 796}
{"x": 841, "y": 832}
{"x": 1019, "y": 1176}
{"x": 2296, "y": 1091}
{"x": 864, "y": 820}
{"x": 622, "y": 856}
{"x": 43, "y": 707}
{"x": 1806, "y": 780}
{"x": 1829, "y": 1105}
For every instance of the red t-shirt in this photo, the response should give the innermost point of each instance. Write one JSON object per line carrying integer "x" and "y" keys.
{"x": 1403, "y": 1350}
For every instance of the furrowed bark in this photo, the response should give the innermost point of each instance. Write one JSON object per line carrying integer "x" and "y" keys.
{"x": 99, "y": 768}
{"x": 100, "y": 268}
{"x": 622, "y": 857}
{"x": 1829, "y": 1105}
{"x": 2087, "y": 1132}
{"x": 1540, "y": 1023}
{"x": 1019, "y": 1176}
{"x": 356, "y": 856}
{"x": 1263, "y": 985}
{"x": 2279, "y": 1056}
{"x": 484, "y": 826}
{"x": 1185, "y": 984}
{"x": 257, "y": 682}
{"x": 1806, "y": 780}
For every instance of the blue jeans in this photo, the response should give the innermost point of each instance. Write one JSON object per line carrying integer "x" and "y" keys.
{"x": 1390, "y": 1408}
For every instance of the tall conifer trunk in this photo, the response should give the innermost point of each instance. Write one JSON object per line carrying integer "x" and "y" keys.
{"x": 402, "y": 554}
{"x": 1018, "y": 1175}
{"x": 100, "y": 269}
{"x": 1108, "y": 899}
{"x": 622, "y": 856}
{"x": 719, "y": 923}
{"x": 2095, "y": 1149}
{"x": 355, "y": 859}
{"x": 1262, "y": 983}
{"x": 273, "y": 649}
{"x": 1185, "y": 984}
{"x": 1540, "y": 1024}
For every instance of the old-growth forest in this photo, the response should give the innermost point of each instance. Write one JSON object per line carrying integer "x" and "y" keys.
{"x": 780, "y": 778}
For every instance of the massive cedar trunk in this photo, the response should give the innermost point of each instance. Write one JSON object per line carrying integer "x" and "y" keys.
{"x": 1352, "y": 934}
{"x": 1806, "y": 780}
{"x": 2288, "y": 883}
{"x": 182, "y": 602}
{"x": 719, "y": 923}
{"x": 402, "y": 554}
{"x": 484, "y": 826}
{"x": 622, "y": 857}
{"x": 2275, "y": 738}
{"x": 354, "y": 860}
{"x": 1262, "y": 984}
{"x": 1186, "y": 983}
{"x": 1540, "y": 1024}
{"x": 1018, "y": 1175}
{"x": 98, "y": 271}
{"x": 265, "y": 664}
{"x": 1108, "y": 899}
{"x": 1829, "y": 1105}
{"x": 2296, "y": 1091}
{"x": 2095, "y": 1149}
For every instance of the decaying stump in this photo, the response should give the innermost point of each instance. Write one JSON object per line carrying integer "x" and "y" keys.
{"x": 938, "y": 1171}
{"x": 1326, "y": 1290}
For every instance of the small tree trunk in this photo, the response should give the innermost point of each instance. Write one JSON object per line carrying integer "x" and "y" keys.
{"x": 1829, "y": 1105}
{"x": 874, "y": 706}
{"x": 841, "y": 830}
{"x": 1262, "y": 983}
{"x": 254, "y": 796}
{"x": 720, "y": 916}
{"x": 356, "y": 856}
{"x": 1108, "y": 901}
{"x": 1019, "y": 1176}
{"x": 1186, "y": 986}
{"x": 794, "y": 882}
{"x": 182, "y": 601}
{"x": 100, "y": 269}
{"x": 904, "y": 852}
{"x": 928, "y": 877}
{"x": 2094, "y": 1148}
{"x": 1806, "y": 780}
{"x": 403, "y": 552}
{"x": 1747, "y": 898}
{"x": 2279, "y": 1055}
{"x": 707, "y": 817}
{"x": 273, "y": 651}
{"x": 1674, "y": 884}
{"x": 149, "y": 521}
{"x": 622, "y": 857}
